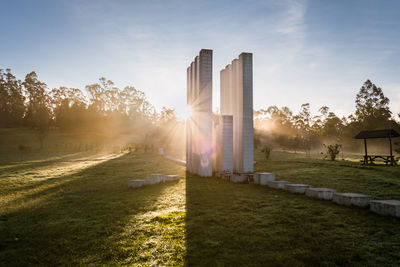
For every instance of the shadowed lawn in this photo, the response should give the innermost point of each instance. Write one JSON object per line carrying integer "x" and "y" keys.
{"x": 382, "y": 182}
{"x": 241, "y": 224}
{"x": 78, "y": 210}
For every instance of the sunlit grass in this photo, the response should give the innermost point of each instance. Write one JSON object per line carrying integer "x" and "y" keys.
{"x": 39, "y": 178}
{"x": 87, "y": 214}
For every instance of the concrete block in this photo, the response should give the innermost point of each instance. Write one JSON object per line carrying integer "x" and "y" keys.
{"x": 223, "y": 149}
{"x": 239, "y": 178}
{"x": 277, "y": 184}
{"x": 170, "y": 178}
{"x": 265, "y": 177}
{"x": 226, "y": 175}
{"x": 354, "y": 199}
{"x": 154, "y": 178}
{"x": 249, "y": 176}
{"x": 135, "y": 183}
{"x": 296, "y": 188}
{"x": 320, "y": 193}
{"x": 385, "y": 207}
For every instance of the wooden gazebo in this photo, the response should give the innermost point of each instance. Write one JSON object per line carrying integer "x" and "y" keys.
{"x": 387, "y": 133}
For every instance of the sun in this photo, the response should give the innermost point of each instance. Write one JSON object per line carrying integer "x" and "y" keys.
{"x": 187, "y": 112}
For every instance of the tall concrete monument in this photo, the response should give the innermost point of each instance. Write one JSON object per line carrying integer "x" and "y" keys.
{"x": 230, "y": 149}
{"x": 199, "y": 126}
{"x": 237, "y": 101}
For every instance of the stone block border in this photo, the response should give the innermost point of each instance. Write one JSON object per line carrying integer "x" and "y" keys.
{"x": 381, "y": 207}
{"x": 386, "y": 207}
{"x": 320, "y": 193}
{"x": 277, "y": 184}
{"x": 351, "y": 199}
{"x": 154, "y": 178}
{"x": 296, "y": 188}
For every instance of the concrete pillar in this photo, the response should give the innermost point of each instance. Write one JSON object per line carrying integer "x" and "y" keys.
{"x": 199, "y": 90}
{"x": 246, "y": 67}
{"x": 224, "y": 144}
{"x": 205, "y": 96}
{"x": 188, "y": 121}
{"x": 227, "y": 143}
{"x": 237, "y": 100}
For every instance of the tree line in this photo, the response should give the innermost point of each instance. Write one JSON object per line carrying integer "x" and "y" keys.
{"x": 108, "y": 110}
{"x": 281, "y": 128}
{"x": 104, "y": 109}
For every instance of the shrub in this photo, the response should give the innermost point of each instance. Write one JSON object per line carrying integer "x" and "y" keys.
{"x": 267, "y": 151}
{"x": 332, "y": 151}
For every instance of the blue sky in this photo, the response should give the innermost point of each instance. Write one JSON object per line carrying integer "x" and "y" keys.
{"x": 304, "y": 51}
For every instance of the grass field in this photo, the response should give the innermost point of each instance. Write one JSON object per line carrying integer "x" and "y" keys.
{"x": 74, "y": 208}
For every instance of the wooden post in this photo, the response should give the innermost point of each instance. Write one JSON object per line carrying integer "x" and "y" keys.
{"x": 366, "y": 151}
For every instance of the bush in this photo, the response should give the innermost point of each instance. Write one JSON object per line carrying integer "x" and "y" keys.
{"x": 332, "y": 151}
{"x": 267, "y": 151}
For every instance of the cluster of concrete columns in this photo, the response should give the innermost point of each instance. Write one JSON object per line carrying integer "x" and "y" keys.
{"x": 199, "y": 126}
{"x": 231, "y": 148}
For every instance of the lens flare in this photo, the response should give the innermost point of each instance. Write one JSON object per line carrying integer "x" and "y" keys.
{"x": 187, "y": 113}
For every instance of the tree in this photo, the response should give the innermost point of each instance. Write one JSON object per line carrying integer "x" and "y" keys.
{"x": 372, "y": 107}
{"x": 42, "y": 124}
{"x": 38, "y": 100}
{"x": 38, "y": 112}
{"x": 333, "y": 126}
{"x": 303, "y": 123}
{"x": 12, "y": 106}
{"x": 17, "y": 99}
{"x": 3, "y": 99}
{"x": 68, "y": 107}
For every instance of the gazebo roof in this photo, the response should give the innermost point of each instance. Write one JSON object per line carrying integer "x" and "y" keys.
{"x": 377, "y": 134}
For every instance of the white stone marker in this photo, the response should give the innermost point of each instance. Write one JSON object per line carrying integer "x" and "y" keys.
{"x": 320, "y": 193}
{"x": 354, "y": 199}
{"x": 169, "y": 178}
{"x": 135, "y": 183}
{"x": 277, "y": 184}
{"x": 154, "y": 178}
{"x": 296, "y": 188}
{"x": 239, "y": 178}
{"x": 386, "y": 207}
{"x": 264, "y": 177}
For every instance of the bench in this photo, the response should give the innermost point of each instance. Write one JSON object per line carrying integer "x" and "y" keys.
{"x": 370, "y": 159}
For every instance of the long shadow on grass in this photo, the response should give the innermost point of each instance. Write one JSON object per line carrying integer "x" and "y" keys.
{"x": 81, "y": 219}
{"x": 24, "y": 166}
{"x": 244, "y": 224}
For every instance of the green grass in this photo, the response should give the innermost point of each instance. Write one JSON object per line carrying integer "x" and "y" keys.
{"x": 382, "y": 182}
{"x": 64, "y": 213}
{"x": 75, "y": 208}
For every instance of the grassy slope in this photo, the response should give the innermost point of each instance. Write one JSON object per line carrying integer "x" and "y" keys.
{"x": 90, "y": 216}
{"x": 77, "y": 209}
{"x": 382, "y": 182}
{"x": 231, "y": 224}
